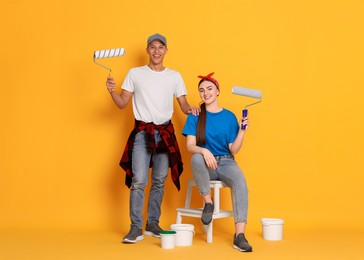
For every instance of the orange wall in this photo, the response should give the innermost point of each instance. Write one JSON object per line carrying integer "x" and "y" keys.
{"x": 62, "y": 137}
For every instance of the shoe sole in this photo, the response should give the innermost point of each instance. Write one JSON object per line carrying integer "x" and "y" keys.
{"x": 129, "y": 241}
{"x": 206, "y": 223}
{"x": 242, "y": 250}
{"x": 150, "y": 233}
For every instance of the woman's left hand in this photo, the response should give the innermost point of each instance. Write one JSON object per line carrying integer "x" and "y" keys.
{"x": 244, "y": 122}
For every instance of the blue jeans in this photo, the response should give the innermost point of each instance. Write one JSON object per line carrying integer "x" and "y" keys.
{"x": 141, "y": 156}
{"x": 228, "y": 172}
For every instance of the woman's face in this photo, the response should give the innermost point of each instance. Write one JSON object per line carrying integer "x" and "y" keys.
{"x": 208, "y": 92}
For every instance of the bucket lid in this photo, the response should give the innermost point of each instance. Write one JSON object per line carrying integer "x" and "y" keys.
{"x": 272, "y": 221}
{"x": 168, "y": 232}
{"x": 182, "y": 227}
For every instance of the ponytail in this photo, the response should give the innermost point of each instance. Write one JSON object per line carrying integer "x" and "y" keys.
{"x": 201, "y": 126}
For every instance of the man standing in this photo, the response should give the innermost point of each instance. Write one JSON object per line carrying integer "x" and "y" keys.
{"x": 152, "y": 142}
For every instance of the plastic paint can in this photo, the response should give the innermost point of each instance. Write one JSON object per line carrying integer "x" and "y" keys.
{"x": 272, "y": 228}
{"x": 168, "y": 239}
{"x": 185, "y": 233}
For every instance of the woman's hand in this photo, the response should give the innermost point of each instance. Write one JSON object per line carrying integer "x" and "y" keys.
{"x": 209, "y": 159}
{"x": 244, "y": 122}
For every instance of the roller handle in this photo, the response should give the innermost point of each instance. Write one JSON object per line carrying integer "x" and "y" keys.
{"x": 245, "y": 114}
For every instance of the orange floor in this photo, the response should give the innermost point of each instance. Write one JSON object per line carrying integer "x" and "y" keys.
{"x": 297, "y": 244}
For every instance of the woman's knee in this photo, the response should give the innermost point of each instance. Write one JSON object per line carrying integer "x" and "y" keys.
{"x": 197, "y": 160}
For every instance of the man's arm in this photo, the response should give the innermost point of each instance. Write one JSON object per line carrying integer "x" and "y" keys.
{"x": 121, "y": 100}
{"x": 186, "y": 108}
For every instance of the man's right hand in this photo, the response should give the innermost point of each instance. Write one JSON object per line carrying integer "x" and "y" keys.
{"x": 110, "y": 84}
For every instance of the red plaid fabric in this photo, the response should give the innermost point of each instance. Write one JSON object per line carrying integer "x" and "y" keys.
{"x": 168, "y": 144}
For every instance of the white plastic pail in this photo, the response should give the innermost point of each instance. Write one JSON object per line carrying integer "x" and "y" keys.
{"x": 184, "y": 235}
{"x": 168, "y": 239}
{"x": 272, "y": 228}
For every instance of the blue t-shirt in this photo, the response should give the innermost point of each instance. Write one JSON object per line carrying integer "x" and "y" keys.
{"x": 221, "y": 130}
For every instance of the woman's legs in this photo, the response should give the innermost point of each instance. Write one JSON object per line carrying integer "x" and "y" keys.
{"x": 230, "y": 173}
{"x": 202, "y": 175}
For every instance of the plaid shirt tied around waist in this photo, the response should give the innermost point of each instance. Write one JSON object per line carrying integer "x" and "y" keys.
{"x": 168, "y": 144}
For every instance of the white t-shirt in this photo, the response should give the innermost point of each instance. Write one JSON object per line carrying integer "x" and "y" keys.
{"x": 153, "y": 93}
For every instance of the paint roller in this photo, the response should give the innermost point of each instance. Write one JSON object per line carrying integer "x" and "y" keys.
{"x": 248, "y": 93}
{"x": 100, "y": 54}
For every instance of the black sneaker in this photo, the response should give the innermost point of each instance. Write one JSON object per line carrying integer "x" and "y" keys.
{"x": 153, "y": 230}
{"x": 207, "y": 212}
{"x": 134, "y": 235}
{"x": 241, "y": 244}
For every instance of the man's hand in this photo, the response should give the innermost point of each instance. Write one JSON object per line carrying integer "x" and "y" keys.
{"x": 194, "y": 110}
{"x": 110, "y": 84}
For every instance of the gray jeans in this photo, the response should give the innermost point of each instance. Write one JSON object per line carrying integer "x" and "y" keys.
{"x": 140, "y": 165}
{"x": 228, "y": 172}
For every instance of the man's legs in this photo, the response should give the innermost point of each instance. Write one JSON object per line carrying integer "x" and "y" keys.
{"x": 140, "y": 166}
{"x": 159, "y": 174}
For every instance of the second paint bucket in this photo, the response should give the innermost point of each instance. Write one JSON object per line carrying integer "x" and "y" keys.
{"x": 185, "y": 233}
{"x": 272, "y": 228}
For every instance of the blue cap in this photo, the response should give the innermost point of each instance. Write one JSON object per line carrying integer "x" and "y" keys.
{"x": 157, "y": 36}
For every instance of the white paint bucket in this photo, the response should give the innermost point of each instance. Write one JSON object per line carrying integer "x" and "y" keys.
{"x": 184, "y": 235}
{"x": 168, "y": 239}
{"x": 272, "y": 228}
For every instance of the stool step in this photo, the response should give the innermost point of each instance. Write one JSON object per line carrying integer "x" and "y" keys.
{"x": 196, "y": 212}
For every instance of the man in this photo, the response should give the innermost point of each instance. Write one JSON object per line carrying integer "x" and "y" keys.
{"x": 152, "y": 142}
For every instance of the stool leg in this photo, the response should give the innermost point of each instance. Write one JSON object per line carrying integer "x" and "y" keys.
{"x": 217, "y": 199}
{"x": 189, "y": 194}
{"x": 209, "y": 233}
{"x": 179, "y": 218}
{"x": 204, "y": 229}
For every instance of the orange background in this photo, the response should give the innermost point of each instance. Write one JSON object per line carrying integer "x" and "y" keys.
{"x": 62, "y": 137}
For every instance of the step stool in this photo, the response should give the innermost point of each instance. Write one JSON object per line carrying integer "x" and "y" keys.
{"x": 197, "y": 212}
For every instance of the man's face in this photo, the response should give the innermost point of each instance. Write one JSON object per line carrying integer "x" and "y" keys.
{"x": 156, "y": 51}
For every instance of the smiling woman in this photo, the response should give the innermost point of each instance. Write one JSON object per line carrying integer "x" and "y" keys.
{"x": 214, "y": 137}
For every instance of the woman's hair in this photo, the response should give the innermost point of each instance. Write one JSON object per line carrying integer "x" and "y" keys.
{"x": 201, "y": 123}
{"x": 201, "y": 126}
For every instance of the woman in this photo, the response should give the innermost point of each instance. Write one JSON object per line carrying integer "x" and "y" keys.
{"x": 214, "y": 137}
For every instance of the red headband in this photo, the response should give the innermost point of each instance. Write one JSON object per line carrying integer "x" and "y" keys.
{"x": 209, "y": 78}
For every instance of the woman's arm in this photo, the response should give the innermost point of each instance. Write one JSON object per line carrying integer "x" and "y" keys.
{"x": 208, "y": 156}
{"x": 238, "y": 142}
